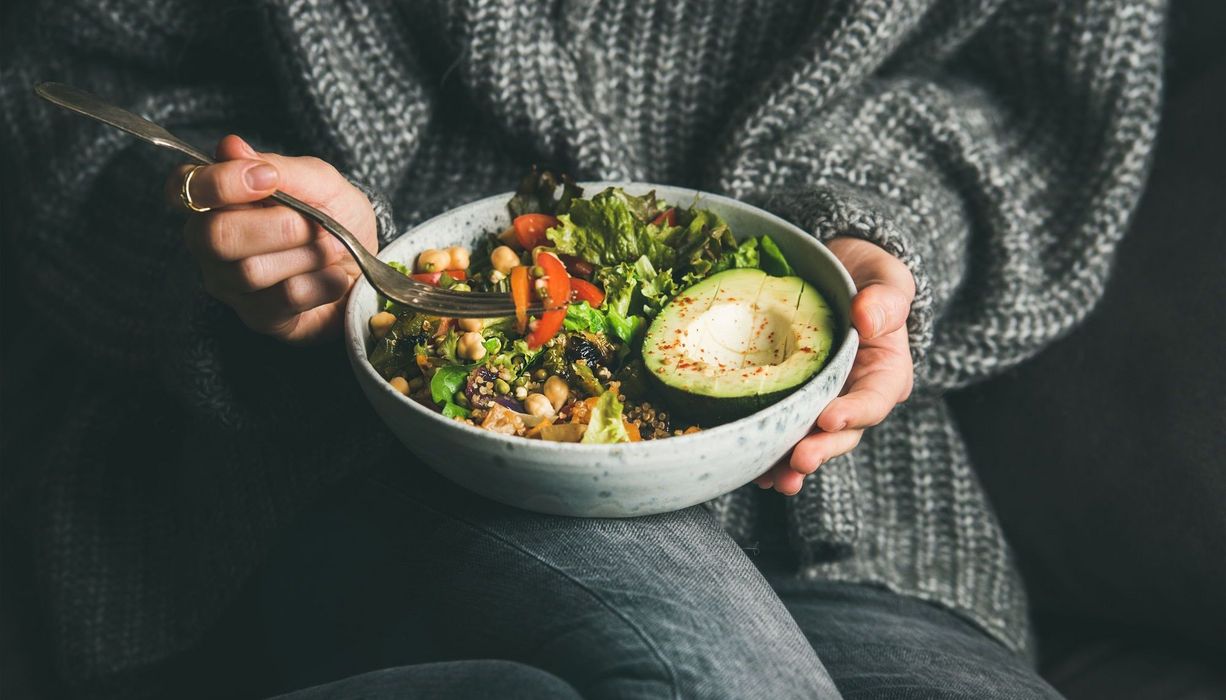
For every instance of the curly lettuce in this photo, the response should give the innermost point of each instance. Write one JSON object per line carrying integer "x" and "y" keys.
{"x": 605, "y": 424}
{"x": 612, "y": 228}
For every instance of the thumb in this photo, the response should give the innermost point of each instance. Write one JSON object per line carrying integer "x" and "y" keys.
{"x": 886, "y": 286}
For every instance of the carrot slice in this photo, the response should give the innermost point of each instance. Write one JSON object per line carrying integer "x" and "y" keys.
{"x": 521, "y": 290}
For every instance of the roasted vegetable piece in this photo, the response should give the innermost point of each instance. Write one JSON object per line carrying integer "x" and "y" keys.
{"x": 582, "y": 379}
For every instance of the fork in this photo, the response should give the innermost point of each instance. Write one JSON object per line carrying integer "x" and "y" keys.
{"x": 386, "y": 279}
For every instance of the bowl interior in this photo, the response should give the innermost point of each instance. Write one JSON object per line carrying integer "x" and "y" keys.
{"x": 468, "y": 224}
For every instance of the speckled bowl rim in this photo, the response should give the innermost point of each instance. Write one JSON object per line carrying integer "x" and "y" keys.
{"x": 356, "y": 328}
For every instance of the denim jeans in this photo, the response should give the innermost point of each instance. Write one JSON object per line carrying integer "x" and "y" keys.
{"x": 415, "y": 576}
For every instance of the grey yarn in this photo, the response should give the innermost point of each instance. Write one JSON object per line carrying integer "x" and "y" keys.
{"x": 997, "y": 148}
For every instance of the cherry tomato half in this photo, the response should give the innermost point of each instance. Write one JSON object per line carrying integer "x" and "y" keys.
{"x": 530, "y": 229}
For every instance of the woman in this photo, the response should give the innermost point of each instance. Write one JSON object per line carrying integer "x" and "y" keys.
{"x": 972, "y": 164}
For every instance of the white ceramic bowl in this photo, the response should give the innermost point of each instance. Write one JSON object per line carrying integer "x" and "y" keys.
{"x": 625, "y": 479}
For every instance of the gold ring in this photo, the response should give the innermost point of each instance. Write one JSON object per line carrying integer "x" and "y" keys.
{"x": 185, "y": 194}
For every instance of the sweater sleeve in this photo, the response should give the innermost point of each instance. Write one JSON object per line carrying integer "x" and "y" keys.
{"x": 98, "y": 255}
{"x": 93, "y": 244}
{"x": 1002, "y": 169}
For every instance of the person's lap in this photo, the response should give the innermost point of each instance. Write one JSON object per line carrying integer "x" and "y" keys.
{"x": 880, "y": 645}
{"x": 419, "y": 571}
{"x": 414, "y": 570}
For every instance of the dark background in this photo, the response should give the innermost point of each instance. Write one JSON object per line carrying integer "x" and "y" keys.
{"x": 1105, "y": 456}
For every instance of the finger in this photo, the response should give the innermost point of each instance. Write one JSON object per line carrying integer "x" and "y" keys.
{"x": 270, "y": 310}
{"x": 869, "y": 263}
{"x": 870, "y": 398}
{"x": 789, "y": 482}
{"x": 813, "y": 451}
{"x": 232, "y": 182}
{"x": 229, "y": 235}
{"x": 232, "y": 147}
{"x": 767, "y": 478}
{"x": 173, "y": 185}
{"x": 878, "y": 309}
{"x": 258, "y": 272}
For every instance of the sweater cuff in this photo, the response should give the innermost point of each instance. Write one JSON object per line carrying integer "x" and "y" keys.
{"x": 831, "y": 211}
{"x": 385, "y": 222}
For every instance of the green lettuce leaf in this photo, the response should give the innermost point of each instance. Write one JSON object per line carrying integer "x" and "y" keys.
{"x": 625, "y": 328}
{"x": 657, "y": 288}
{"x": 538, "y": 194}
{"x": 582, "y": 317}
{"x": 608, "y": 229}
{"x": 447, "y": 348}
{"x": 447, "y": 381}
{"x": 515, "y": 355}
{"x": 452, "y": 410}
{"x": 605, "y": 424}
{"x": 773, "y": 262}
{"x": 620, "y": 283}
{"x": 637, "y": 288}
{"x": 744, "y": 255}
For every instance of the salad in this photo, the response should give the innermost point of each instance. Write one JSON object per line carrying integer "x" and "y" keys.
{"x": 658, "y": 321}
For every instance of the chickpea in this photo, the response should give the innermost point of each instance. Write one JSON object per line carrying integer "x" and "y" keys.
{"x": 459, "y": 258}
{"x": 538, "y": 405}
{"x": 381, "y": 323}
{"x": 503, "y": 259}
{"x": 433, "y": 260}
{"x": 556, "y": 391}
{"x": 471, "y": 324}
{"x": 399, "y": 384}
{"x": 470, "y": 346}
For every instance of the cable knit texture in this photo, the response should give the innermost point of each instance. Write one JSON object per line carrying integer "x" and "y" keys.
{"x": 996, "y": 147}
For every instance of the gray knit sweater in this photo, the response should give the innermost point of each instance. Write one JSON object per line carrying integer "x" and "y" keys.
{"x": 996, "y": 147}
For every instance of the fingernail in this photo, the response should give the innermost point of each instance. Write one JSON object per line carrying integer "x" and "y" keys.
{"x": 261, "y": 177}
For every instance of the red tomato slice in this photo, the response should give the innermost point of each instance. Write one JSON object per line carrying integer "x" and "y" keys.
{"x": 547, "y": 326}
{"x": 432, "y": 278}
{"x": 521, "y": 290}
{"x": 557, "y": 286}
{"x": 582, "y": 290}
{"x": 668, "y": 216}
{"x": 557, "y": 289}
{"x": 530, "y": 229}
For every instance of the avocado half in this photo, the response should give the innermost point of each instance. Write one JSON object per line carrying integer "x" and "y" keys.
{"x": 736, "y": 342}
